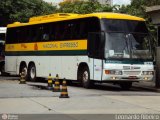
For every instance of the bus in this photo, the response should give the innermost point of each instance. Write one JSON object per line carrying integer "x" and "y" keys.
{"x": 89, "y": 48}
{"x": 2, "y": 42}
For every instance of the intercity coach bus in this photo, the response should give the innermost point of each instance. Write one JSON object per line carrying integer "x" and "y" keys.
{"x": 97, "y": 47}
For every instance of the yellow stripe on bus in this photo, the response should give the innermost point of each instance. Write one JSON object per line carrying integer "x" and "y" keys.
{"x": 47, "y": 46}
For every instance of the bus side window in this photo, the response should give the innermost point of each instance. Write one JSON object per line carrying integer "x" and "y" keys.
{"x": 32, "y": 33}
{"x": 75, "y": 30}
{"x": 23, "y": 35}
{"x": 52, "y": 31}
{"x": 27, "y": 34}
{"x": 45, "y": 32}
{"x": 83, "y": 29}
{"x": 66, "y": 35}
{"x": 36, "y": 32}
{"x": 57, "y": 31}
{"x": 10, "y": 35}
{"x": 16, "y": 36}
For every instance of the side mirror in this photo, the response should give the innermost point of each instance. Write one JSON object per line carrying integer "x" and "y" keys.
{"x": 96, "y": 43}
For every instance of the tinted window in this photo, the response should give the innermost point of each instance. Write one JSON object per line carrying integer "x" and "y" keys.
{"x": 62, "y": 30}
{"x": 11, "y": 36}
{"x": 124, "y": 26}
{"x": 76, "y": 29}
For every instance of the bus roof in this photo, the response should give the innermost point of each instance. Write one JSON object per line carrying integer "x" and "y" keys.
{"x": 69, "y": 16}
{"x": 3, "y": 29}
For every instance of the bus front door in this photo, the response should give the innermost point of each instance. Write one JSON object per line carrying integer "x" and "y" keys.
{"x": 97, "y": 69}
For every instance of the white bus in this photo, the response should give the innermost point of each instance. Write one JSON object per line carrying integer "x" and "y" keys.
{"x": 97, "y": 47}
{"x": 2, "y": 42}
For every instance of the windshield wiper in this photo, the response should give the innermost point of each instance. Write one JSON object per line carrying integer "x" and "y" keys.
{"x": 134, "y": 51}
{"x": 129, "y": 44}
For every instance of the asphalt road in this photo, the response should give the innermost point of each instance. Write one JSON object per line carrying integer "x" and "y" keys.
{"x": 34, "y": 98}
{"x": 10, "y": 88}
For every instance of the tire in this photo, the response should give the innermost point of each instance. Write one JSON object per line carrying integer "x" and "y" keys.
{"x": 32, "y": 72}
{"x": 84, "y": 77}
{"x": 23, "y": 68}
{"x": 126, "y": 85}
{"x": 2, "y": 70}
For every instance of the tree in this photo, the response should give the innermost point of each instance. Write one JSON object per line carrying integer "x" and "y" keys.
{"x": 22, "y": 10}
{"x": 83, "y": 7}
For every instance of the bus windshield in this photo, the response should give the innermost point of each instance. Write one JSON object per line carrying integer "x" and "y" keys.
{"x": 126, "y": 39}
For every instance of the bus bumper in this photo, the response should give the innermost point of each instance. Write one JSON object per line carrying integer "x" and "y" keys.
{"x": 127, "y": 76}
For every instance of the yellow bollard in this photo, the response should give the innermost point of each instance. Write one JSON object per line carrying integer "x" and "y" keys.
{"x": 56, "y": 85}
{"x": 64, "y": 91}
{"x": 22, "y": 78}
{"x": 50, "y": 83}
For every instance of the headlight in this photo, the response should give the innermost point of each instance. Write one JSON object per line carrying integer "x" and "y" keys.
{"x": 113, "y": 72}
{"x": 147, "y": 72}
{"x": 117, "y": 72}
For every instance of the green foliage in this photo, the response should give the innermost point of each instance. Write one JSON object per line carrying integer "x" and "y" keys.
{"x": 22, "y": 10}
{"x": 83, "y": 7}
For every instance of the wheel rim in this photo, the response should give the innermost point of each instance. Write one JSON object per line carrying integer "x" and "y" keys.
{"x": 33, "y": 73}
{"x": 85, "y": 76}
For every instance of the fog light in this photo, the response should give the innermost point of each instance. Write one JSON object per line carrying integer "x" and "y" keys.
{"x": 113, "y": 78}
{"x": 145, "y": 78}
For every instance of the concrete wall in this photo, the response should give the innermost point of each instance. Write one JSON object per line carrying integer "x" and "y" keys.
{"x": 154, "y": 12}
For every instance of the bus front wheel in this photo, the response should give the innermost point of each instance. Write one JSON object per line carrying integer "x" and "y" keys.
{"x": 32, "y": 72}
{"x": 84, "y": 77}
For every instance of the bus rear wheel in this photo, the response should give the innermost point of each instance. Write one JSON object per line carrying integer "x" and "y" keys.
{"x": 32, "y": 72}
{"x": 2, "y": 69}
{"x": 125, "y": 85}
